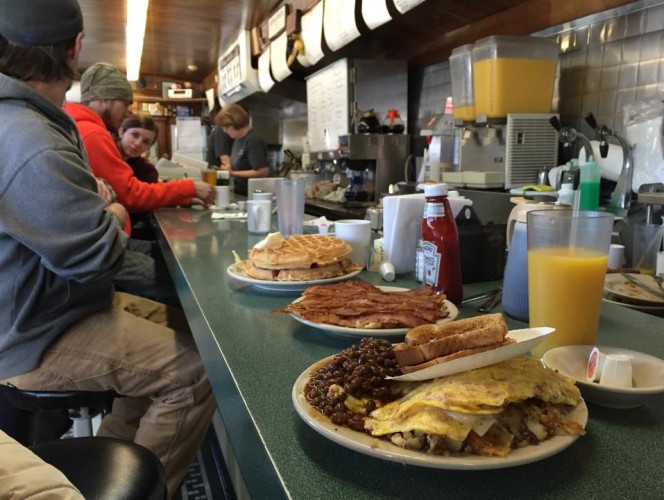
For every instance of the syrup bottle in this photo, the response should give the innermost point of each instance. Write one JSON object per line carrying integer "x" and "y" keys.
{"x": 441, "y": 258}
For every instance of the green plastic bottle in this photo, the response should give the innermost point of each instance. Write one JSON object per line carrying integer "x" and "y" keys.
{"x": 589, "y": 185}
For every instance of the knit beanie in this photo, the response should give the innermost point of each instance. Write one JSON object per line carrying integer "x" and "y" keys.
{"x": 104, "y": 81}
{"x": 40, "y": 22}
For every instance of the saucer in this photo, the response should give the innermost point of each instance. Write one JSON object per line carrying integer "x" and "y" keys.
{"x": 647, "y": 375}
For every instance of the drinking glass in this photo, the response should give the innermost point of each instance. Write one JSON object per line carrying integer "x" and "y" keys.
{"x": 290, "y": 206}
{"x": 567, "y": 258}
{"x": 357, "y": 233}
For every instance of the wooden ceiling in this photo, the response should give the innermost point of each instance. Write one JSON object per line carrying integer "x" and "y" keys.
{"x": 182, "y": 33}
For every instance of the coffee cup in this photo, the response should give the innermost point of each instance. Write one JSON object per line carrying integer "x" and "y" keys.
{"x": 357, "y": 233}
{"x": 259, "y": 216}
{"x": 223, "y": 196}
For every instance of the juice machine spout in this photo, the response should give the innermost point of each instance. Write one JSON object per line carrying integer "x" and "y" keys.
{"x": 568, "y": 136}
{"x": 621, "y": 198}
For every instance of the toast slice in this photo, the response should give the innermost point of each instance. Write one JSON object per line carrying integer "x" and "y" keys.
{"x": 429, "y": 342}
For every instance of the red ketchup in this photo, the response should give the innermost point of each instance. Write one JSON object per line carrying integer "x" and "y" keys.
{"x": 440, "y": 244}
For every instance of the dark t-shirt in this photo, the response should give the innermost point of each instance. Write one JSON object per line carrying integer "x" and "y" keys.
{"x": 249, "y": 152}
{"x": 218, "y": 143}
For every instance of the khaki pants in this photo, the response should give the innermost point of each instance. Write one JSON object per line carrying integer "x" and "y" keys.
{"x": 143, "y": 350}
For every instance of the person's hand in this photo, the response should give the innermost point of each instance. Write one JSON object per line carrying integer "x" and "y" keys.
{"x": 225, "y": 166}
{"x": 205, "y": 194}
{"x": 119, "y": 212}
{"x": 103, "y": 191}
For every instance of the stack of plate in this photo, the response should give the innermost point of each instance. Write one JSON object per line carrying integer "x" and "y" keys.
{"x": 619, "y": 290}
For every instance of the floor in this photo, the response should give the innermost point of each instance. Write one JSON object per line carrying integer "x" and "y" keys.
{"x": 208, "y": 477}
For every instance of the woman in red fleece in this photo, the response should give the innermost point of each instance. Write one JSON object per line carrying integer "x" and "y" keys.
{"x": 105, "y": 98}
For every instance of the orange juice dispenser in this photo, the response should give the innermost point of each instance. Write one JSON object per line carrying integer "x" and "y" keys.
{"x": 508, "y": 140}
{"x": 513, "y": 74}
{"x": 461, "y": 70}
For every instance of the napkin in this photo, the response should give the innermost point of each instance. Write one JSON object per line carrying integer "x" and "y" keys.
{"x": 229, "y": 215}
{"x": 402, "y": 227}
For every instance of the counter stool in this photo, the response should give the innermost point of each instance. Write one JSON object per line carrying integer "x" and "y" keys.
{"x": 81, "y": 405}
{"x": 103, "y": 468}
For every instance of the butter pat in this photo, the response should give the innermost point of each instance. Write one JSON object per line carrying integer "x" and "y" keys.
{"x": 271, "y": 242}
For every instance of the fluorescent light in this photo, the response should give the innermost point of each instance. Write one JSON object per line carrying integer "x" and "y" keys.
{"x": 137, "y": 16}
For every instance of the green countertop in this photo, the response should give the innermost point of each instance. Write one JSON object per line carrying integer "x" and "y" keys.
{"x": 253, "y": 356}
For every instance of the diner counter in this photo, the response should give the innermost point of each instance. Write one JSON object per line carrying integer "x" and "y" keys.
{"x": 253, "y": 357}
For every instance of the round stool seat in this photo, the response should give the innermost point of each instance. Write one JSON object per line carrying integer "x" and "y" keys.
{"x": 103, "y": 468}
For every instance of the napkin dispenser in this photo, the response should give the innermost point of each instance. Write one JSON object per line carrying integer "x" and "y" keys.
{"x": 482, "y": 247}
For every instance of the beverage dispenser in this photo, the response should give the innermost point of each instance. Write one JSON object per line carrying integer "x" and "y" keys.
{"x": 371, "y": 162}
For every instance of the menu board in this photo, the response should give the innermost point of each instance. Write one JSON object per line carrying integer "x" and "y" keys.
{"x": 328, "y": 106}
{"x": 312, "y": 34}
{"x": 230, "y": 71}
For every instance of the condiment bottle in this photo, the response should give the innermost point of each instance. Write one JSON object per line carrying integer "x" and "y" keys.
{"x": 589, "y": 187}
{"x": 441, "y": 258}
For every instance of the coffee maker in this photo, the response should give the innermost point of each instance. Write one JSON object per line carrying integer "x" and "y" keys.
{"x": 370, "y": 163}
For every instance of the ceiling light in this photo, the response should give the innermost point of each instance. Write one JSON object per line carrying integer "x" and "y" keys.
{"x": 137, "y": 15}
{"x": 192, "y": 67}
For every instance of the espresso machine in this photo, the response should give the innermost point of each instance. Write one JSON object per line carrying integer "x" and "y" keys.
{"x": 370, "y": 163}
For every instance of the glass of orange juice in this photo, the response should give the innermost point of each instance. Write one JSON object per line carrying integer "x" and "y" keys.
{"x": 567, "y": 258}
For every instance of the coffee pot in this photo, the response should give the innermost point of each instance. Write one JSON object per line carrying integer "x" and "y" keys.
{"x": 368, "y": 123}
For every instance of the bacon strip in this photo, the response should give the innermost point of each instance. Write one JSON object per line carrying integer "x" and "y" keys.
{"x": 357, "y": 304}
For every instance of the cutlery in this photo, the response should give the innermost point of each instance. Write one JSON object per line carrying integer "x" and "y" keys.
{"x": 491, "y": 304}
{"x": 480, "y": 296}
{"x": 643, "y": 286}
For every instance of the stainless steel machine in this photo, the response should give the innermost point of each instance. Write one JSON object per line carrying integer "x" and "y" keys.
{"x": 370, "y": 163}
{"x": 508, "y": 154}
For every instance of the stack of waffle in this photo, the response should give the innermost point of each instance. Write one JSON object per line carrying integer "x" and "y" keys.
{"x": 300, "y": 258}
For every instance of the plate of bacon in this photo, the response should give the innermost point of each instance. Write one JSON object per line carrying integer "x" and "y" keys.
{"x": 359, "y": 309}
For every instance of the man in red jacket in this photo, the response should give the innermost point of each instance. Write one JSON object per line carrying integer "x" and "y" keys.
{"x": 105, "y": 99}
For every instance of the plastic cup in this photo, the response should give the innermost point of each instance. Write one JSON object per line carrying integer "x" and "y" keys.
{"x": 357, "y": 233}
{"x": 223, "y": 196}
{"x": 209, "y": 176}
{"x": 290, "y": 206}
{"x": 617, "y": 371}
{"x": 616, "y": 256}
{"x": 645, "y": 245}
{"x": 259, "y": 216}
{"x": 567, "y": 259}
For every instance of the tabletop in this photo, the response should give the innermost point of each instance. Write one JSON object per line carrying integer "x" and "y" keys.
{"x": 254, "y": 355}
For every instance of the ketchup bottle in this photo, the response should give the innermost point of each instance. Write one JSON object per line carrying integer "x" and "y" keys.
{"x": 440, "y": 244}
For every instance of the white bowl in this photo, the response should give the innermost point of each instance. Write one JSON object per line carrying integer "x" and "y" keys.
{"x": 647, "y": 375}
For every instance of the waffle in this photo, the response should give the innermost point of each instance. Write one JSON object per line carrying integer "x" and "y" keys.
{"x": 301, "y": 252}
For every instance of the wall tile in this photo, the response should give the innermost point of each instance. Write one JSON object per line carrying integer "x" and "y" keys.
{"x": 647, "y": 73}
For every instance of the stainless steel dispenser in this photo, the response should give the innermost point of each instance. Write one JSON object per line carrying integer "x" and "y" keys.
{"x": 371, "y": 162}
{"x": 508, "y": 154}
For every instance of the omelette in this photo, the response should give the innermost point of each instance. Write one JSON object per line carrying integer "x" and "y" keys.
{"x": 488, "y": 411}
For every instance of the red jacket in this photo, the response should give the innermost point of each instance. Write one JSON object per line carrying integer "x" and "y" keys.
{"x": 106, "y": 162}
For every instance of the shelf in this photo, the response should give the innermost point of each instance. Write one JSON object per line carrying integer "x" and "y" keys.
{"x": 143, "y": 98}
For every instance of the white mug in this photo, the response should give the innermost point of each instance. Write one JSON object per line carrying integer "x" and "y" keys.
{"x": 357, "y": 233}
{"x": 223, "y": 196}
{"x": 259, "y": 216}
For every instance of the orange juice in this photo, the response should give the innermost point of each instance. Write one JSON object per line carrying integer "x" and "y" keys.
{"x": 565, "y": 292}
{"x": 505, "y": 85}
{"x": 465, "y": 113}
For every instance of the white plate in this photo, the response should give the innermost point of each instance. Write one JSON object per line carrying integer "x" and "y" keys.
{"x": 383, "y": 449}
{"x": 235, "y": 272}
{"x": 374, "y": 332}
{"x": 609, "y": 297}
{"x": 647, "y": 374}
{"x": 615, "y": 284}
{"x": 526, "y": 339}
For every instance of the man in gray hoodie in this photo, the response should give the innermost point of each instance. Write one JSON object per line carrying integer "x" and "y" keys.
{"x": 62, "y": 325}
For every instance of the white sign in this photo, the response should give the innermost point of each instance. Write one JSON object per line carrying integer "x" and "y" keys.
{"x": 339, "y": 25}
{"x": 312, "y": 36}
{"x": 375, "y": 13}
{"x": 405, "y": 5}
